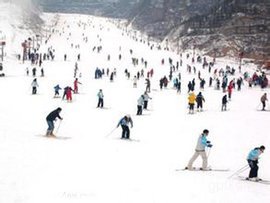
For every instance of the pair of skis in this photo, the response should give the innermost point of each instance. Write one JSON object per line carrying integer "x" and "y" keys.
{"x": 265, "y": 182}
{"x": 243, "y": 178}
{"x": 55, "y": 137}
{"x": 200, "y": 169}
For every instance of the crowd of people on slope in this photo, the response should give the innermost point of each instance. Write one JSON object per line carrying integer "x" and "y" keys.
{"x": 219, "y": 75}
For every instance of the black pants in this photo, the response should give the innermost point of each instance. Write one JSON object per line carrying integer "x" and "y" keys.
{"x": 223, "y": 107}
{"x": 191, "y": 106}
{"x": 253, "y": 169}
{"x": 34, "y": 90}
{"x": 145, "y": 104}
{"x": 263, "y": 105}
{"x": 125, "y": 132}
{"x": 100, "y": 103}
{"x": 139, "y": 110}
{"x": 199, "y": 105}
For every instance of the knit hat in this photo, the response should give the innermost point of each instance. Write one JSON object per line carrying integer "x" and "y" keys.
{"x": 262, "y": 147}
{"x": 205, "y": 131}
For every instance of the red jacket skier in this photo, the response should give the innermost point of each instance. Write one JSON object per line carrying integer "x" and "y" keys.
{"x": 76, "y": 82}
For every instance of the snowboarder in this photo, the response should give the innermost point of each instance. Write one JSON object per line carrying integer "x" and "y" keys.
{"x": 252, "y": 160}
{"x": 124, "y": 122}
{"x": 50, "y": 121}
{"x": 263, "y": 100}
{"x": 200, "y": 150}
{"x": 100, "y": 99}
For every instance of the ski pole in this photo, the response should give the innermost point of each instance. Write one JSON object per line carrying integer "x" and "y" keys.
{"x": 58, "y": 127}
{"x": 257, "y": 108}
{"x": 239, "y": 171}
{"x": 267, "y": 105}
{"x": 208, "y": 154}
{"x": 111, "y": 132}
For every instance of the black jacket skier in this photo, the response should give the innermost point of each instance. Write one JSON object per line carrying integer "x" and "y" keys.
{"x": 50, "y": 120}
{"x": 224, "y": 103}
{"x": 199, "y": 101}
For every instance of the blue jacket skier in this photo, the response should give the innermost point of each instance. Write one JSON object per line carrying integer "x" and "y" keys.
{"x": 202, "y": 143}
{"x": 56, "y": 90}
{"x": 252, "y": 160}
{"x": 124, "y": 122}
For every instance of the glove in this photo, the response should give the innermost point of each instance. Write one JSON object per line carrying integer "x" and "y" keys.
{"x": 208, "y": 142}
{"x": 209, "y": 145}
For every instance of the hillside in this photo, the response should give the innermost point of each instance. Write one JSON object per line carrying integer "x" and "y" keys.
{"x": 18, "y": 17}
{"x": 218, "y": 27}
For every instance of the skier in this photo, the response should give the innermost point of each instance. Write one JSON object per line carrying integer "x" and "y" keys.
{"x": 42, "y": 72}
{"x": 65, "y": 92}
{"x": 69, "y": 94}
{"x": 111, "y": 77}
{"x": 224, "y": 103}
{"x": 76, "y": 82}
{"x": 210, "y": 81}
{"x": 34, "y": 85}
{"x": 100, "y": 99}
{"x": 56, "y": 91}
{"x": 200, "y": 150}
{"x": 148, "y": 84}
{"x": 230, "y": 88}
{"x": 190, "y": 87}
{"x": 50, "y": 121}
{"x": 199, "y": 101}
{"x": 140, "y": 103}
{"x": 263, "y": 100}
{"x": 34, "y": 70}
{"x": 146, "y": 97}
{"x": 135, "y": 81}
{"x": 252, "y": 160}
{"x": 124, "y": 122}
{"x": 239, "y": 83}
{"x": 191, "y": 102}
{"x": 27, "y": 71}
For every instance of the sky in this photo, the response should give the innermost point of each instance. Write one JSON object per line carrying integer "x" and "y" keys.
{"x": 90, "y": 163}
